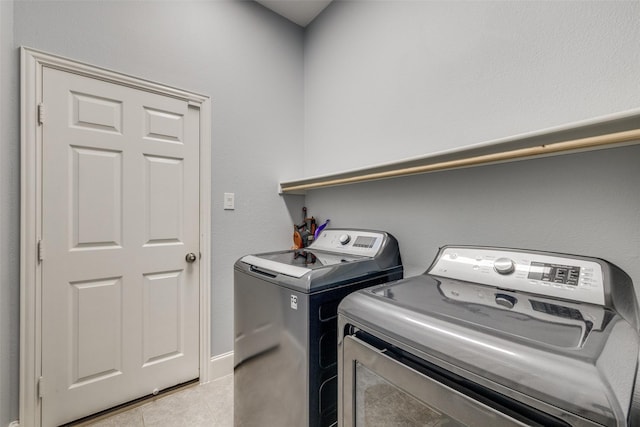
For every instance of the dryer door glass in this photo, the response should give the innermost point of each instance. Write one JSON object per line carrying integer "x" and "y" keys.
{"x": 381, "y": 403}
{"x": 380, "y": 388}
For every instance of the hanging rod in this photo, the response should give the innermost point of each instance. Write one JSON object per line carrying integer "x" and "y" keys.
{"x": 465, "y": 157}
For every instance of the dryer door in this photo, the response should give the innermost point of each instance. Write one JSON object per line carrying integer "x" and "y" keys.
{"x": 380, "y": 388}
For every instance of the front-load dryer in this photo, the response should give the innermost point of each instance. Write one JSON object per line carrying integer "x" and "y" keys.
{"x": 493, "y": 337}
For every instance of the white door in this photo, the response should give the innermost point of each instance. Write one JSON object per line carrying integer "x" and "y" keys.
{"x": 120, "y": 211}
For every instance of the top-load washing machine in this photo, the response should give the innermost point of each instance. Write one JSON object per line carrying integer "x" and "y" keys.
{"x": 493, "y": 337}
{"x": 286, "y": 303}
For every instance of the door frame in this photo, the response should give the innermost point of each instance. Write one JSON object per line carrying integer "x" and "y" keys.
{"x": 33, "y": 63}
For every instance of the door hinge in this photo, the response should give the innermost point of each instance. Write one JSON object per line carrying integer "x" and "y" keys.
{"x": 41, "y": 113}
{"x": 40, "y": 251}
{"x": 41, "y": 387}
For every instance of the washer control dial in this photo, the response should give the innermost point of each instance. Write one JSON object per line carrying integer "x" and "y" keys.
{"x": 506, "y": 300}
{"x": 504, "y": 265}
{"x": 344, "y": 239}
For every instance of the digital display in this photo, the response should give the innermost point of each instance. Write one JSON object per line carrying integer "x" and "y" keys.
{"x": 538, "y": 270}
{"x": 364, "y": 242}
{"x": 554, "y": 273}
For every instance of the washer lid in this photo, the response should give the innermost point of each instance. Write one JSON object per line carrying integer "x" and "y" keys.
{"x": 520, "y": 316}
{"x": 337, "y": 258}
{"x": 297, "y": 263}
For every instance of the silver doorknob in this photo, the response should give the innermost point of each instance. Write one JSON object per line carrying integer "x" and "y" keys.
{"x": 191, "y": 257}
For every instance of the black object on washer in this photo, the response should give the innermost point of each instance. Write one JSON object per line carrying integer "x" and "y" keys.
{"x": 286, "y": 324}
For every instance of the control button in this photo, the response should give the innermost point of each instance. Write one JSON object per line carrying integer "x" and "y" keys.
{"x": 504, "y": 265}
{"x": 344, "y": 239}
{"x": 506, "y": 300}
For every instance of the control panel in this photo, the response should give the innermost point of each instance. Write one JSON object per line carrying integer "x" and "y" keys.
{"x": 353, "y": 242}
{"x": 538, "y": 307}
{"x": 544, "y": 274}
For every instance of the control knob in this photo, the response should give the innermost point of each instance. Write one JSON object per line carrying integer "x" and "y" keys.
{"x": 506, "y": 300}
{"x": 504, "y": 265}
{"x": 344, "y": 239}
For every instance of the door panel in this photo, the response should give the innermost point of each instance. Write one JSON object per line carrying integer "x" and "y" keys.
{"x": 379, "y": 390}
{"x": 163, "y": 317}
{"x": 163, "y": 125}
{"x": 96, "y": 330}
{"x": 96, "y": 194}
{"x": 165, "y": 200}
{"x": 120, "y": 212}
{"x": 95, "y": 113}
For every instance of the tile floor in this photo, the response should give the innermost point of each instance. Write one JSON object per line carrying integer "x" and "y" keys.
{"x": 206, "y": 405}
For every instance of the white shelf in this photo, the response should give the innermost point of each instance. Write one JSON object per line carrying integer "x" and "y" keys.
{"x": 610, "y": 131}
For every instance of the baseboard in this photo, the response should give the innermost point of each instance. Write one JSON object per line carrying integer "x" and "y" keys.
{"x": 221, "y": 366}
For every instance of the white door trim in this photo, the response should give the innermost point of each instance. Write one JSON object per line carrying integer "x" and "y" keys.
{"x": 32, "y": 64}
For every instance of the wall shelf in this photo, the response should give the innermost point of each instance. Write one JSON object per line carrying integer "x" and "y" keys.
{"x": 615, "y": 130}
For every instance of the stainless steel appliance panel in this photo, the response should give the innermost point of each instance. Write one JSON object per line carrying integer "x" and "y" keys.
{"x": 270, "y": 353}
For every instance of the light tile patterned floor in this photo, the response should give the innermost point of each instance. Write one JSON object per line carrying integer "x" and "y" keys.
{"x": 207, "y": 405}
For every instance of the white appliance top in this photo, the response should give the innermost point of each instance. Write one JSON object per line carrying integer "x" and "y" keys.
{"x": 333, "y": 247}
{"x": 543, "y": 274}
{"x": 350, "y": 242}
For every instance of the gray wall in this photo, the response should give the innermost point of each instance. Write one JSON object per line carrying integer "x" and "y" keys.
{"x": 586, "y": 204}
{"x": 246, "y": 58}
{"x": 387, "y": 80}
{"x": 9, "y": 219}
